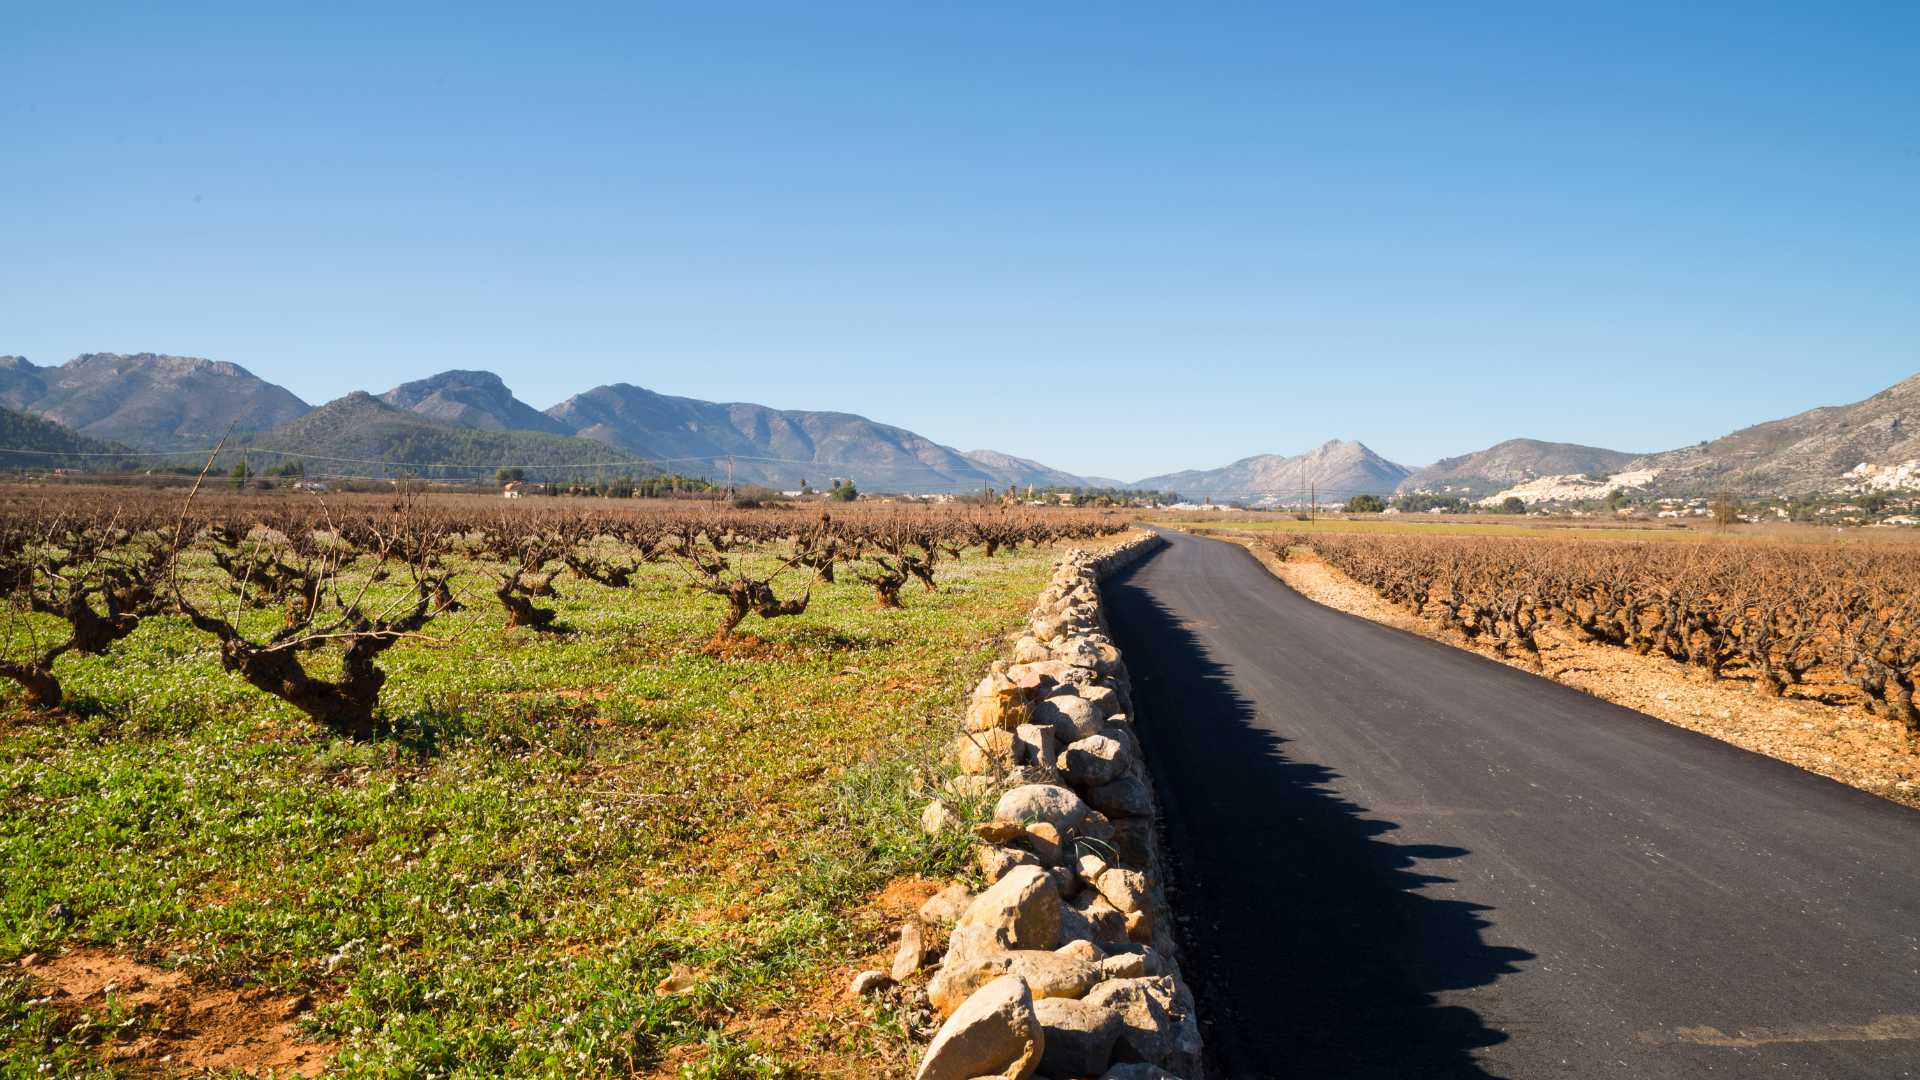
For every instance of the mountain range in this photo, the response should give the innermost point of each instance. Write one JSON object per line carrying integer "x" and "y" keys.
{"x": 464, "y": 422}
{"x": 1333, "y": 471}
{"x": 147, "y": 401}
{"x": 1513, "y": 462}
{"x": 1801, "y": 454}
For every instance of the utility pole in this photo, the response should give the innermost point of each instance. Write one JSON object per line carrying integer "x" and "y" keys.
{"x": 729, "y": 477}
{"x": 1313, "y": 502}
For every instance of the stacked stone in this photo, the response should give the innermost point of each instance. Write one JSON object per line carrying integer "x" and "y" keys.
{"x": 1063, "y": 966}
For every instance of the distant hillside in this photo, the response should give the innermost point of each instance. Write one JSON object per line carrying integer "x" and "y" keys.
{"x": 1020, "y": 472}
{"x": 1805, "y": 453}
{"x": 1334, "y": 471}
{"x": 21, "y": 382}
{"x": 158, "y": 402}
{"x": 147, "y": 400}
{"x": 475, "y": 399}
{"x": 31, "y": 441}
{"x": 361, "y": 432}
{"x": 1515, "y": 461}
{"x": 779, "y": 447}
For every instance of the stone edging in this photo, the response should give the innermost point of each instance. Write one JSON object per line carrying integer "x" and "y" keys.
{"x": 1064, "y": 966}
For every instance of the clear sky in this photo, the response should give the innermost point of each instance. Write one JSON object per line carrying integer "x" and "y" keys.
{"x": 1119, "y": 239}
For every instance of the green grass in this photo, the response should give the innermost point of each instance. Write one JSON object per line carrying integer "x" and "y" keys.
{"x": 556, "y": 822}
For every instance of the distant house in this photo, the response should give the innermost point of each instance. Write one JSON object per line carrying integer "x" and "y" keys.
{"x": 313, "y": 486}
{"x": 512, "y": 490}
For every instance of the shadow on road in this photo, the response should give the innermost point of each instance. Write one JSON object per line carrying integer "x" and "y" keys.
{"x": 1308, "y": 943}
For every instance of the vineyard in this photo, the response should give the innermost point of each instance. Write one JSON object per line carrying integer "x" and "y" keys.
{"x": 1827, "y": 623}
{"x": 276, "y": 586}
{"x": 463, "y": 786}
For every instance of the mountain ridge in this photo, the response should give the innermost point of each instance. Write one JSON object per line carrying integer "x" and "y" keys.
{"x": 1515, "y": 461}
{"x": 1333, "y": 471}
{"x": 1799, "y": 454}
{"x": 476, "y": 399}
{"x": 360, "y": 434}
{"x": 32, "y": 441}
{"x": 156, "y": 401}
{"x": 152, "y": 401}
{"x": 779, "y": 447}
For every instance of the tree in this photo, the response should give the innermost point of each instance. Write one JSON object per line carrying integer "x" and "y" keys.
{"x": 843, "y": 492}
{"x": 327, "y": 581}
{"x": 1366, "y": 504}
{"x": 1513, "y": 504}
{"x": 240, "y": 475}
{"x": 510, "y": 475}
{"x": 1724, "y": 509}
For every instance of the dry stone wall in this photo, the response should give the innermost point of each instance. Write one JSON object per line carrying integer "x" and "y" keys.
{"x": 1064, "y": 965}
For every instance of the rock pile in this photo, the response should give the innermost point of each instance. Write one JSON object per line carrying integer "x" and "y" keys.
{"x": 1063, "y": 966}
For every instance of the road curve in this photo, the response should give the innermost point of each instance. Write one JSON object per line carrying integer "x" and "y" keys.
{"x": 1392, "y": 858}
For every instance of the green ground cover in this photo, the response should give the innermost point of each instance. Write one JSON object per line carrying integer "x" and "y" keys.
{"x": 557, "y": 822}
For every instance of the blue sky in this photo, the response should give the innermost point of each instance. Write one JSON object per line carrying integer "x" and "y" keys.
{"x": 1119, "y": 239}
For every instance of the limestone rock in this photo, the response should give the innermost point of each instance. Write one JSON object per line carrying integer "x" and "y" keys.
{"x": 983, "y": 752}
{"x": 996, "y": 862}
{"x": 869, "y": 982}
{"x": 975, "y": 959}
{"x": 1081, "y": 652}
{"x": 1079, "y": 1037}
{"x": 1094, "y": 761}
{"x": 1028, "y": 650}
{"x": 1106, "y": 923}
{"x": 1123, "y": 798}
{"x": 944, "y": 907}
{"x": 996, "y": 703}
{"x": 1140, "y": 927}
{"x": 911, "y": 953}
{"x": 1122, "y": 733}
{"x": 1160, "y": 1026}
{"x": 1104, "y": 699}
{"x": 1051, "y": 803}
{"x": 993, "y": 1033}
{"x": 1022, "y": 909}
{"x": 1046, "y": 843}
{"x": 1047, "y": 674}
{"x": 1124, "y": 889}
{"x": 1091, "y": 865}
{"x": 999, "y": 832}
{"x": 1034, "y": 745}
{"x": 1097, "y": 827}
{"x": 937, "y": 819}
{"x": 1083, "y": 950}
{"x": 1071, "y": 716}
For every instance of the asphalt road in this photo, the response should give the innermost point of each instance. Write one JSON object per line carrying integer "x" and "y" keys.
{"x": 1392, "y": 858}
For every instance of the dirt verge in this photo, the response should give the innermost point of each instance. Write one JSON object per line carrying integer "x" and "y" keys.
{"x": 1843, "y": 743}
{"x": 184, "y": 1026}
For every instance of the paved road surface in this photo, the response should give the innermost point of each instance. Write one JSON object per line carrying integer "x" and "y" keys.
{"x": 1397, "y": 859}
